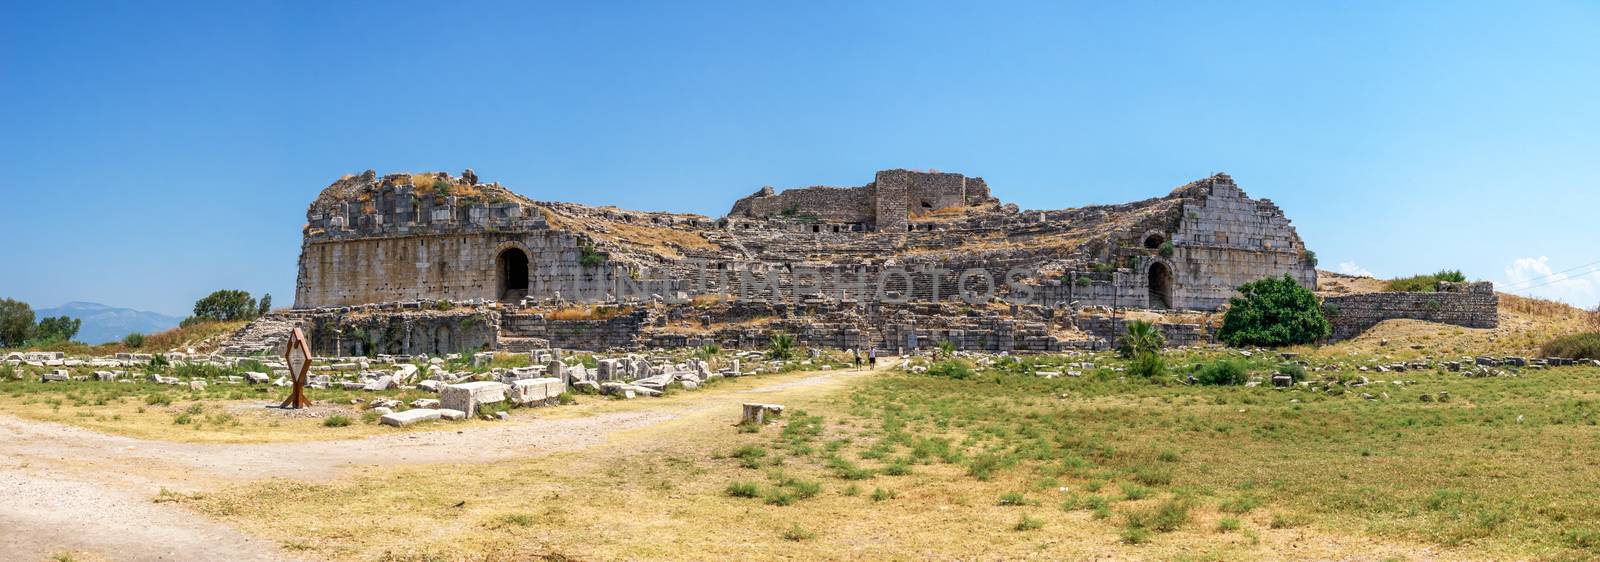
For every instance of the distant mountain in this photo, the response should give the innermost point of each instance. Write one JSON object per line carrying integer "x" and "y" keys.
{"x": 103, "y": 323}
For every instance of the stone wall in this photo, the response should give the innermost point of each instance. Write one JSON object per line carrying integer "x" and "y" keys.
{"x": 1471, "y": 305}
{"x": 885, "y": 203}
{"x": 453, "y": 267}
{"x": 619, "y": 332}
{"x": 833, "y": 204}
{"x": 1226, "y": 239}
{"x": 397, "y": 332}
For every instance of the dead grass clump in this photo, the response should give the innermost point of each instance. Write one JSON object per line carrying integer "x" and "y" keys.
{"x": 589, "y": 313}
{"x": 1545, "y": 308}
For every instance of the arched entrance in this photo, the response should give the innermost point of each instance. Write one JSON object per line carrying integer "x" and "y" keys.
{"x": 1160, "y": 282}
{"x": 513, "y": 275}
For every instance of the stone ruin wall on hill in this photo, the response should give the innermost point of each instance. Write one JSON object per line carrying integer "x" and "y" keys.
{"x": 1470, "y": 305}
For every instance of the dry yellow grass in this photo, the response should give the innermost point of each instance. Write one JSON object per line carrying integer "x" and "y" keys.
{"x": 588, "y": 312}
{"x": 658, "y": 493}
{"x": 665, "y": 241}
{"x": 203, "y": 337}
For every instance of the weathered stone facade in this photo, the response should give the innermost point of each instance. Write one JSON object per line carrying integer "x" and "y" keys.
{"x": 883, "y": 205}
{"x": 1471, "y": 305}
{"x": 408, "y": 238}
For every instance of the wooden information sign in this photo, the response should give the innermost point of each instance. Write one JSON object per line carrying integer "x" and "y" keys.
{"x": 298, "y": 355}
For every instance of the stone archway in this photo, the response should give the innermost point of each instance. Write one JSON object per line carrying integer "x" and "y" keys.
{"x": 1159, "y": 278}
{"x": 512, "y": 274}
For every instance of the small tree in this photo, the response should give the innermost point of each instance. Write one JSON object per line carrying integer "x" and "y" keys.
{"x": 58, "y": 328}
{"x": 266, "y": 305}
{"x": 225, "y": 305}
{"x": 16, "y": 322}
{"x": 134, "y": 340}
{"x": 1272, "y": 312}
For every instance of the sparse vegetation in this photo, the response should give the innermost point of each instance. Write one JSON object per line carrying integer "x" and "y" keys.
{"x": 1424, "y": 283}
{"x": 1575, "y": 346}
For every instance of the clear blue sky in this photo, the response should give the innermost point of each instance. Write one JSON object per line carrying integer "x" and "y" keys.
{"x": 155, "y": 151}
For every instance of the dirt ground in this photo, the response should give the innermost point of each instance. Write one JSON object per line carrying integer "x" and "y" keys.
{"x": 94, "y": 496}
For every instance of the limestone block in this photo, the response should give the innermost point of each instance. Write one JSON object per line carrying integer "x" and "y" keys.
{"x": 532, "y": 391}
{"x": 385, "y": 382}
{"x": 408, "y": 417}
{"x": 467, "y": 397}
{"x": 452, "y": 415}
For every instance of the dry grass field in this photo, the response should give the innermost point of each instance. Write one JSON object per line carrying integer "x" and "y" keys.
{"x": 906, "y": 466}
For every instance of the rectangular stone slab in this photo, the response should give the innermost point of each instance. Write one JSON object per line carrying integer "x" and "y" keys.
{"x": 528, "y": 391}
{"x": 408, "y": 417}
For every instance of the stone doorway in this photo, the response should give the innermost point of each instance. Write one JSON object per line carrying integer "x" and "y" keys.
{"x": 1160, "y": 282}
{"x": 513, "y": 277}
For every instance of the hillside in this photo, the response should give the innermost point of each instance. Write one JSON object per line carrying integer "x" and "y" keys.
{"x": 1524, "y": 324}
{"x": 103, "y": 324}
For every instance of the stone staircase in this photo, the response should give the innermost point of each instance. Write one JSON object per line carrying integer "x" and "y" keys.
{"x": 265, "y": 335}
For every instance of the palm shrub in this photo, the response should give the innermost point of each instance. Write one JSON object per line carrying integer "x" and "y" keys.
{"x": 781, "y": 346}
{"x": 1141, "y": 336}
{"x": 1271, "y": 312}
{"x": 1143, "y": 342}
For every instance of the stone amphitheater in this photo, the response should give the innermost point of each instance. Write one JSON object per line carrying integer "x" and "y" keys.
{"x": 434, "y": 263}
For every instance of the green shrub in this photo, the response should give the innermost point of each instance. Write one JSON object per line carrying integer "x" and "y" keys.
{"x": 1013, "y": 499}
{"x": 1147, "y": 365}
{"x": 750, "y": 455}
{"x": 743, "y": 490}
{"x": 134, "y": 340}
{"x": 1272, "y": 312}
{"x": 566, "y": 399}
{"x": 1424, "y": 283}
{"x": 1026, "y": 523}
{"x": 1223, "y": 372}
{"x": 1165, "y": 249}
{"x": 797, "y": 533}
{"x": 1227, "y": 524}
{"x": 336, "y": 420}
{"x": 952, "y": 369}
{"x": 880, "y": 494}
{"x": 1134, "y": 492}
{"x": 158, "y": 399}
{"x": 1163, "y": 518}
{"x": 1575, "y": 346}
{"x": 589, "y": 257}
{"x": 778, "y": 497}
{"x": 1294, "y": 370}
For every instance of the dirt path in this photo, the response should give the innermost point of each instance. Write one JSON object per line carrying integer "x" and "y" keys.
{"x": 69, "y": 489}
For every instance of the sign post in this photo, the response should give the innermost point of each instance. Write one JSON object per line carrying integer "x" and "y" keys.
{"x": 298, "y": 355}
